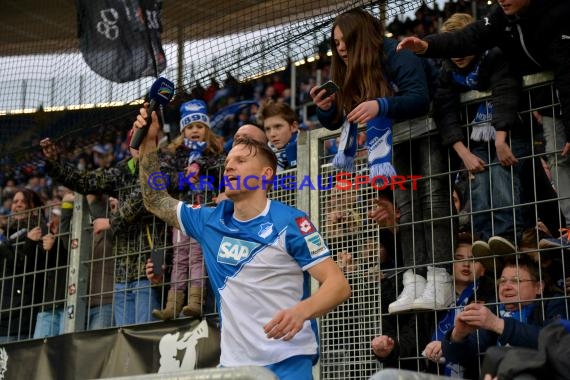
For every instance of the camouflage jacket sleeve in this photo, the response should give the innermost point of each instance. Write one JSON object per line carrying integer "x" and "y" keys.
{"x": 130, "y": 209}
{"x": 90, "y": 182}
{"x": 131, "y": 206}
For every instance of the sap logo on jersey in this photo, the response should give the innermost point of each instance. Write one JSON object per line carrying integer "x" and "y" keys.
{"x": 316, "y": 244}
{"x": 232, "y": 251}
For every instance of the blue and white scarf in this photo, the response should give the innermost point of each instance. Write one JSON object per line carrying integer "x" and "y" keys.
{"x": 521, "y": 314}
{"x": 447, "y": 322}
{"x": 286, "y": 156}
{"x": 482, "y": 128}
{"x": 378, "y": 141}
{"x": 195, "y": 149}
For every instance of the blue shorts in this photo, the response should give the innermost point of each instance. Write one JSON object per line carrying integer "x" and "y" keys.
{"x": 298, "y": 367}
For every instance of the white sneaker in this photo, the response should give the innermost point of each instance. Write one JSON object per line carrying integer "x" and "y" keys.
{"x": 438, "y": 292}
{"x": 414, "y": 285}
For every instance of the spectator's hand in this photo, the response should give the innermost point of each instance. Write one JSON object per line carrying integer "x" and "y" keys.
{"x": 461, "y": 329}
{"x": 542, "y": 229}
{"x": 48, "y": 241}
{"x": 69, "y": 197}
{"x": 567, "y": 283}
{"x": 566, "y": 149}
{"x": 537, "y": 117}
{"x": 323, "y": 103}
{"x": 504, "y": 154}
{"x": 382, "y": 346}
{"x": 285, "y": 324}
{"x": 472, "y": 163}
{"x": 49, "y": 149}
{"x": 100, "y": 225}
{"x": 193, "y": 169}
{"x": 149, "y": 270}
{"x": 490, "y": 377}
{"x": 113, "y": 205}
{"x": 364, "y": 112}
{"x": 346, "y": 262}
{"x": 433, "y": 351}
{"x": 384, "y": 213}
{"x": 35, "y": 234}
{"x": 480, "y": 317}
{"x": 414, "y": 44}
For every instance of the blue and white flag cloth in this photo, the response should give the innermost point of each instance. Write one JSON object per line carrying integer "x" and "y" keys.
{"x": 378, "y": 141}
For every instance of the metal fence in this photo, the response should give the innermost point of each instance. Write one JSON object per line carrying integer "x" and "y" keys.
{"x": 357, "y": 243}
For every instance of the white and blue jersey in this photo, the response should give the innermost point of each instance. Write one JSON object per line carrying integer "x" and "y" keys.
{"x": 256, "y": 267}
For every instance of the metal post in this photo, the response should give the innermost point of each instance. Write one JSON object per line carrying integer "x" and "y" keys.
{"x": 293, "y": 85}
{"x": 180, "y": 45}
{"x": 24, "y": 89}
{"x": 80, "y": 89}
{"x": 80, "y": 247}
{"x": 52, "y": 92}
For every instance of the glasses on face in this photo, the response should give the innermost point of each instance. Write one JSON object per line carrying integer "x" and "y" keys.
{"x": 513, "y": 281}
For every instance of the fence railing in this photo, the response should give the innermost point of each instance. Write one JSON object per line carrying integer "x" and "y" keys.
{"x": 346, "y": 333}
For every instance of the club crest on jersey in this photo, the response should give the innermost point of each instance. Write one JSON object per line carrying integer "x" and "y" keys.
{"x": 233, "y": 251}
{"x": 315, "y": 244}
{"x": 305, "y": 226}
{"x": 265, "y": 230}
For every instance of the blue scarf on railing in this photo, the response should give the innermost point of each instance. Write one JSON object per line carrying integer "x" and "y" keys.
{"x": 378, "y": 141}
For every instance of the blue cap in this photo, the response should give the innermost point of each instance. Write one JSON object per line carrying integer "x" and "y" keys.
{"x": 194, "y": 111}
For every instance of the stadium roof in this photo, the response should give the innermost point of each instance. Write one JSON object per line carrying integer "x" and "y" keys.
{"x": 50, "y": 26}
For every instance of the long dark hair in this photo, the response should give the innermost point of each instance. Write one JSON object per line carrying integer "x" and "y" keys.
{"x": 32, "y": 216}
{"x": 363, "y": 78}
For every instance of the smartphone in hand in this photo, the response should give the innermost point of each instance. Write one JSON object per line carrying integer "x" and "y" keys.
{"x": 157, "y": 257}
{"x": 330, "y": 88}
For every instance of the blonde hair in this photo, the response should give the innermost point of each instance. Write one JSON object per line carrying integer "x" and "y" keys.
{"x": 455, "y": 22}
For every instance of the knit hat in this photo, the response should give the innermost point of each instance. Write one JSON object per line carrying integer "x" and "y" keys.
{"x": 193, "y": 111}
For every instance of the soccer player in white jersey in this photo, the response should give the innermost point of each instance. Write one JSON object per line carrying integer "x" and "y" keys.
{"x": 260, "y": 255}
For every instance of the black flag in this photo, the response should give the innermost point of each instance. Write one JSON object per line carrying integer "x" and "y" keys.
{"x": 120, "y": 39}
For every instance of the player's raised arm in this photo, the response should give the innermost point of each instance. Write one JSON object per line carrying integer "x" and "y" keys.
{"x": 156, "y": 200}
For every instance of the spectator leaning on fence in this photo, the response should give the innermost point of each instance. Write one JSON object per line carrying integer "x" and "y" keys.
{"x": 100, "y": 246}
{"x": 281, "y": 128}
{"x": 132, "y": 228}
{"x": 378, "y": 86}
{"x": 489, "y": 157}
{"x": 407, "y": 338}
{"x": 196, "y": 151}
{"x": 534, "y": 35}
{"x": 471, "y": 285}
{"x": 518, "y": 323}
{"x": 18, "y": 249}
{"x": 51, "y": 282}
{"x": 257, "y": 253}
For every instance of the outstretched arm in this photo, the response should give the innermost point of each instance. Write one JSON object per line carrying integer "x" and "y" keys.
{"x": 155, "y": 200}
